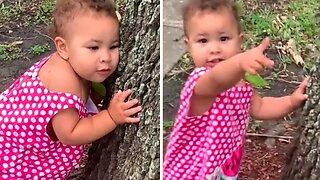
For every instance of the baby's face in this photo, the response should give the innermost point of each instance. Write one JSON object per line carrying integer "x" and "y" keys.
{"x": 212, "y": 36}
{"x": 93, "y": 43}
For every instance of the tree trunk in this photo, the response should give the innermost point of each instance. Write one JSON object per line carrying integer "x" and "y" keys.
{"x": 305, "y": 161}
{"x": 132, "y": 151}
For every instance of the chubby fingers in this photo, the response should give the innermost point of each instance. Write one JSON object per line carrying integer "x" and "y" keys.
{"x": 305, "y": 82}
{"x": 132, "y": 120}
{"x": 301, "y": 90}
{"x": 259, "y": 65}
{"x": 266, "y": 62}
{"x": 262, "y": 59}
{"x": 116, "y": 96}
{"x": 130, "y": 103}
{"x": 132, "y": 111}
{"x": 122, "y": 95}
{"x": 303, "y": 86}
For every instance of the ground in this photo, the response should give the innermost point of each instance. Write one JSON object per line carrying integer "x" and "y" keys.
{"x": 23, "y": 37}
{"x": 265, "y": 157}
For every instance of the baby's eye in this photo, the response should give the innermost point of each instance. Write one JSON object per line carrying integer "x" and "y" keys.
{"x": 224, "y": 38}
{"x": 203, "y": 40}
{"x": 94, "y": 48}
{"x": 115, "y": 46}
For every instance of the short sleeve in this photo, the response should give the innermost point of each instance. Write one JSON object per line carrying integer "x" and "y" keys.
{"x": 188, "y": 89}
{"x": 61, "y": 101}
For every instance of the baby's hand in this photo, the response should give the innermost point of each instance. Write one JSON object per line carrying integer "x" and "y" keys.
{"x": 254, "y": 61}
{"x": 299, "y": 96}
{"x": 120, "y": 111}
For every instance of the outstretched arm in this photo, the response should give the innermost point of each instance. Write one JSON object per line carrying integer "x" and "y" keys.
{"x": 271, "y": 108}
{"x": 227, "y": 73}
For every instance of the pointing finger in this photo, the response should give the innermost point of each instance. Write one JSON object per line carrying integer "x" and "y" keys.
{"x": 264, "y": 44}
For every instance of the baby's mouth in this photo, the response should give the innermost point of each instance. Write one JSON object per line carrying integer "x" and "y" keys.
{"x": 213, "y": 62}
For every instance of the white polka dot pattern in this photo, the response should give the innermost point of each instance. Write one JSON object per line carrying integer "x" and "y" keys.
{"x": 26, "y": 150}
{"x": 199, "y": 144}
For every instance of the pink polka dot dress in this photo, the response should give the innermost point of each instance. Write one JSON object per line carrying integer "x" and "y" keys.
{"x": 209, "y": 146}
{"x": 26, "y": 149}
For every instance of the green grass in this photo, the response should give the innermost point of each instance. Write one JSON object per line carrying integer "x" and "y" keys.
{"x": 44, "y": 13}
{"x": 168, "y": 124}
{"x": 295, "y": 21}
{"x": 255, "y": 125}
{"x": 9, "y": 52}
{"x": 39, "y": 49}
{"x": 10, "y": 11}
{"x": 285, "y": 59}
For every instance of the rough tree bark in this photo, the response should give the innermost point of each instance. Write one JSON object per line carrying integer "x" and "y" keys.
{"x": 132, "y": 151}
{"x": 305, "y": 161}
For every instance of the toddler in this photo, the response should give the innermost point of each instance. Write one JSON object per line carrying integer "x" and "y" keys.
{"x": 209, "y": 133}
{"x": 44, "y": 120}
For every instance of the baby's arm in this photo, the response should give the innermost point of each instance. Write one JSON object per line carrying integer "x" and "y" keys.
{"x": 229, "y": 72}
{"x": 270, "y": 108}
{"x": 71, "y": 130}
{"x": 225, "y": 75}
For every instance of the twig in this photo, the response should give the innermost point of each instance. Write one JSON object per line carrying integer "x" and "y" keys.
{"x": 12, "y": 37}
{"x": 290, "y": 82}
{"x": 265, "y": 155}
{"x": 284, "y": 140}
{"x": 43, "y": 35}
{"x": 269, "y": 135}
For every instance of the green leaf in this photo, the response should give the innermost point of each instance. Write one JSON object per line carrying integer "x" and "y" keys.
{"x": 256, "y": 80}
{"x": 99, "y": 88}
{"x": 168, "y": 124}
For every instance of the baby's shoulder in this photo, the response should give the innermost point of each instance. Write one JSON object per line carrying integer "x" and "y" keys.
{"x": 196, "y": 73}
{"x": 194, "y": 76}
{"x": 59, "y": 77}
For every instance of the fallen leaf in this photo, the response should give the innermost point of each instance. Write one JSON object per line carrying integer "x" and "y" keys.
{"x": 99, "y": 88}
{"x": 17, "y": 42}
{"x": 292, "y": 48}
{"x": 256, "y": 80}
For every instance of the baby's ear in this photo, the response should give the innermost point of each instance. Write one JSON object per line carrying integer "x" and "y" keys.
{"x": 61, "y": 47}
{"x": 186, "y": 42}
{"x": 241, "y": 37}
